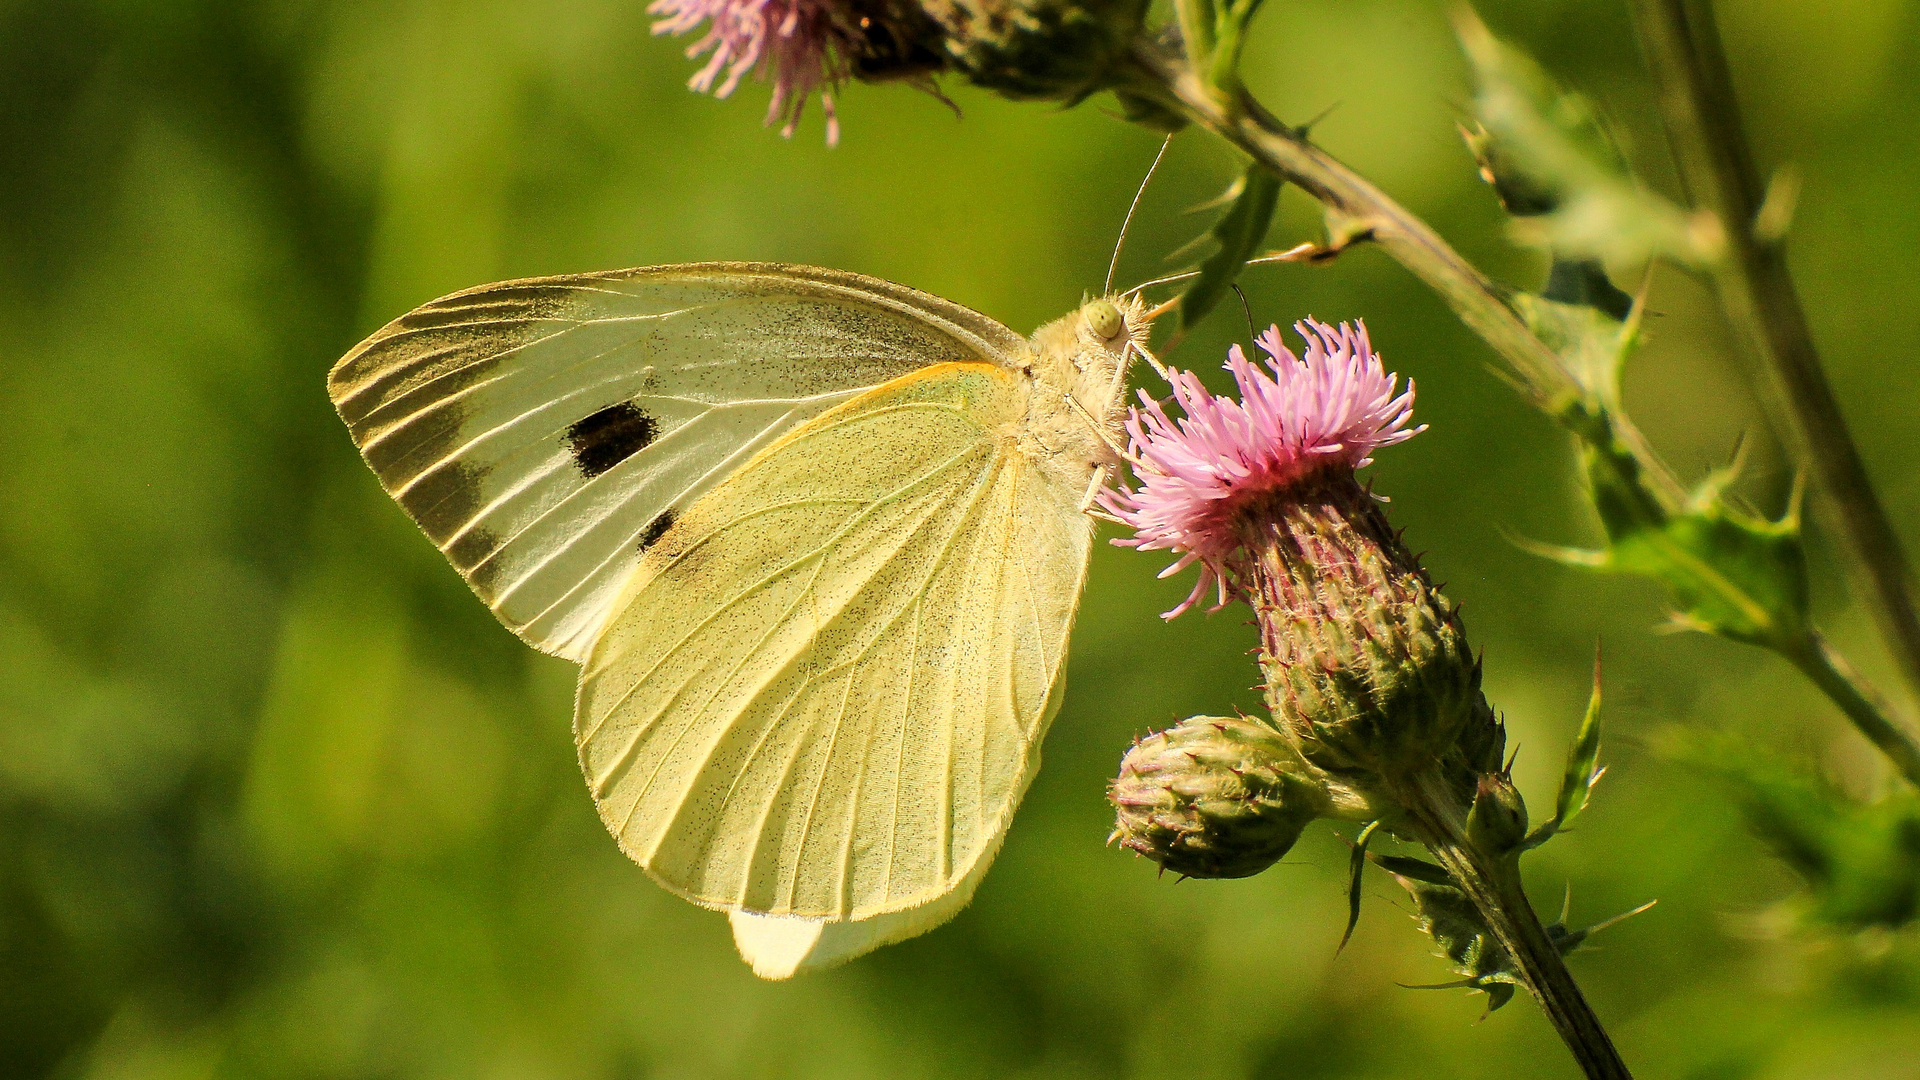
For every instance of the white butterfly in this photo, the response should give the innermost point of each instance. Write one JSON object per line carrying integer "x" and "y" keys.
{"x": 816, "y": 539}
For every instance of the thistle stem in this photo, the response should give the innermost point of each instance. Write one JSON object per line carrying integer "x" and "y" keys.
{"x": 1682, "y": 46}
{"x": 1494, "y": 886}
{"x": 1830, "y": 671}
{"x": 1368, "y": 212}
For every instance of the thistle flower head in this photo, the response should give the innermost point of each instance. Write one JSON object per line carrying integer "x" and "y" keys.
{"x": 797, "y": 45}
{"x": 1328, "y": 409}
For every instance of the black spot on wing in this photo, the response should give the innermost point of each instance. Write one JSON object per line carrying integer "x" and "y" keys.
{"x": 657, "y": 528}
{"x": 610, "y": 437}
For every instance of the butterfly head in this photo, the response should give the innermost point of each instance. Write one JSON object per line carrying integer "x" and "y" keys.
{"x": 1100, "y": 342}
{"x": 1118, "y": 323}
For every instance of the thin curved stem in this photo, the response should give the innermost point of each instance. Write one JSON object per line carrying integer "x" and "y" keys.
{"x": 1479, "y": 302}
{"x": 1682, "y": 47}
{"x": 1831, "y": 672}
{"x": 1496, "y": 890}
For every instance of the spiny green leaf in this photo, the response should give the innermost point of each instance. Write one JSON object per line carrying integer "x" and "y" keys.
{"x": 1582, "y": 772}
{"x": 1556, "y": 170}
{"x": 1449, "y": 917}
{"x": 1239, "y": 232}
{"x": 1417, "y": 869}
{"x": 1446, "y": 914}
{"x": 1583, "y": 768}
{"x": 1355, "y": 864}
{"x": 1730, "y": 574}
{"x": 1590, "y": 340}
{"x": 1727, "y": 572}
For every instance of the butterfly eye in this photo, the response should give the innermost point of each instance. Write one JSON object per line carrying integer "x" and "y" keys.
{"x": 1104, "y": 319}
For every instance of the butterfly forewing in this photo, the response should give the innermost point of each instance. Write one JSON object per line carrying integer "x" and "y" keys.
{"x": 545, "y": 432}
{"x": 823, "y": 692}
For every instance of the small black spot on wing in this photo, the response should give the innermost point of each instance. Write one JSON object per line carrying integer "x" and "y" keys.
{"x": 610, "y": 437}
{"x": 657, "y": 528}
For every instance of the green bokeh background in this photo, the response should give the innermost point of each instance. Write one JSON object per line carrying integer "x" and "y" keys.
{"x": 278, "y": 799}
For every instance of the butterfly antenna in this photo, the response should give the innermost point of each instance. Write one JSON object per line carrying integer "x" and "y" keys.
{"x": 1114, "y": 263}
{"x": 1168, "y": 280}
{"x": 1253, "y": 332}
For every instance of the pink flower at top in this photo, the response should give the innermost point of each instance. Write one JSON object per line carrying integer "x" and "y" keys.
{"x": 1331, "y": 408}
{"x": 794, "y": 44}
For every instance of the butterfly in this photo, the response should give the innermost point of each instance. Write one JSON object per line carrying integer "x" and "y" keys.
{"x": 816, "y": 540}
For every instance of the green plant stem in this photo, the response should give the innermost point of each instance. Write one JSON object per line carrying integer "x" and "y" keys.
{"x": 1682, "y": 47}
{"x": 1831, "y": 672}
{"x": 1475, "y": 298}
{"x": 1494, "y": 886}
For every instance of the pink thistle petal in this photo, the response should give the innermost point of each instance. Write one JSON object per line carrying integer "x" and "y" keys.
{"x": 796, "y": 45}
{"x": 1331, "y": 408}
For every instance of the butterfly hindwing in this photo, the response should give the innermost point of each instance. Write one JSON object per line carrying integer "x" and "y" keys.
{"x": 823, "y": 693}
{"x": 545, "y": 432}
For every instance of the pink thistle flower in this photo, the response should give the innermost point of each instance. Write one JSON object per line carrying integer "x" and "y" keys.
{"x": 1328, "y": 410}
{"x": 797, "y": 45}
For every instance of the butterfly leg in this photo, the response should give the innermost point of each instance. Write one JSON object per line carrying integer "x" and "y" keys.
{"x": 1099, "y": 432}
{"x": 1100, "y": 476}
{"x": 1152, "y": 361}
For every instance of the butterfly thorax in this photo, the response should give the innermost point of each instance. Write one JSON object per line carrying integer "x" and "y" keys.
{"x": 1077, "y": 400}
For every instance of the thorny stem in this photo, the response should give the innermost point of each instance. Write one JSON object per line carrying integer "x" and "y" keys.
{"x": 1367, "y": 212}
{"x": 1494, "y": 886}
{"x": 1831, "y": 672}
{"x": 1682, "y": 47}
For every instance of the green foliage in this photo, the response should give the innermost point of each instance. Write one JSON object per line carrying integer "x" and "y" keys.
{"x": 1583, "y": 770}
{"x": 1239, "y": 233}
{"x": 1728, "y": 572}
{"x": 1557, "y": 170}
{"x": 1356, "y": 863}
{"x": 1447, "y": 916}
{"x": 1450, "y": 919}
{"x": 1215, "y": 32}
{"x": 1860, "y": 859}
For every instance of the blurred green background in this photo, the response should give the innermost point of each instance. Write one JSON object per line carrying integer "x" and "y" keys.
{"x": 278, "y": 798}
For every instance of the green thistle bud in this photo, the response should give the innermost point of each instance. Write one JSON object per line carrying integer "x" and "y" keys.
{"x": 1497, "y": 824}
{"x": 1213, "y": 797}
{"x": 1056, "y": 50}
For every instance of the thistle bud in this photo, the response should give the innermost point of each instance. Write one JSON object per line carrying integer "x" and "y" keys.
{"x": 1056, "y": 50}
{"x": 1213, "y": 797}
{"x": 1497, "y": 824}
